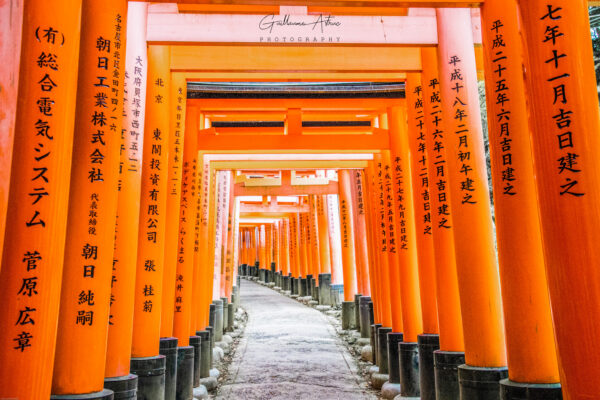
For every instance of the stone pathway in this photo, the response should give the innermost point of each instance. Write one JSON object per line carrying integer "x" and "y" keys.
{"x": 289, "y": 351}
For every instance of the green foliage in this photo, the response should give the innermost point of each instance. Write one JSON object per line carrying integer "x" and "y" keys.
{"x": 595, "y": 31}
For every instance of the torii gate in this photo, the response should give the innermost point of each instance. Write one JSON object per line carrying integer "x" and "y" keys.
{"x": 562, "y": 101}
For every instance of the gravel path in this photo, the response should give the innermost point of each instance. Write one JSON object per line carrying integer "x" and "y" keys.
{"x": 289, "y": 351}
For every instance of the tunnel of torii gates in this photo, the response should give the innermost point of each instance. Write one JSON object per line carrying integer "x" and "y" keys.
{"x": 152, "y": 154}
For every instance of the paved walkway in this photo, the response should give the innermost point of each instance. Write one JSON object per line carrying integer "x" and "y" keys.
{"x": 289, "y": 351}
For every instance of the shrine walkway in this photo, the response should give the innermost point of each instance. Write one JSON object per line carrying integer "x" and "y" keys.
{"x": 289, "y": 351}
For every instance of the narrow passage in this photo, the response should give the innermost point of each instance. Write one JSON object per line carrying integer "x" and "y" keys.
{"x": 289, "y": 351}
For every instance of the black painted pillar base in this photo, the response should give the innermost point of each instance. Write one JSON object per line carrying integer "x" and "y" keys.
{"x": 325, "y": 289}
{"x": 393, "y": 340}
{"x": 357, "y": 311}
{"x": 409, "y": 369}
{"x": 446, "y": 373}
{"x": 225, "y": 301}
{"x": 382, "y": 354}
{"x": 230, "y": 316}
{"x": 348, "y": 315}
{"x": 261, "y": 275}
{"x": 294, "y": 286}
{"x": 272, "y": 272}
{"x": 205, "y": 354}
{"x": 428, "y": 343}
{"x": 479, "y": 383}
{"x": 211, "y": 336}
{"x": 366, "y": 317}
{"x": 308, "y": 285}
{"x": 124, "y": 387}
{"x": 168, "y": 348}
{"x": 218, "y": 326}
{"x": 105, "y": 394}
{"x": 151, "y": 377}
{"x": 185, "y": 373}
{"x": 211, "y": 315}
{"x": 510, "y": 390}
{"x": 196, "y": 343}
{"x": 374, "y": 328}
{"x": 302, "y": 291}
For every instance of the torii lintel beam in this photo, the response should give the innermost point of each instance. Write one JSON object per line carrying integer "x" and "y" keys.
{"x": 375, "y": 142}
{"x": 172, "y": 28}
{"x": 340, "y": 3}
{"x": 294, "y": 59}
{"x": 285, "y": 190}
{"x": 287, "y": 165}
{"x": 273, "y": 208}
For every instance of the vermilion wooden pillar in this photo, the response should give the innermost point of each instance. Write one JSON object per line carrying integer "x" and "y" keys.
{"x": 421, "y": 194}
{"x": 10, "y": 52}
{"x": 348, "y": 254}
{"x": 476, "y": 262}
{"x": 87, "y": 274}
{"x": 184, "y": 280}
{"x": 205, "y": 268}
{"x": 34, "y": 241}
{"x": 229, "y": 266}
{"x": 372, "y": 242}
{"x": 362, "y": 256}
{"x": 373, "y": 201}
{"x": 529, "y": 331}
{"x": 153, "y": 202}
{"x": 216, "y": 231}
{"x": 405, "y": 224}
{"x": 448, "y": 300}
{"x": 428, "y": 340}
{"x": 406, "y": 240}
{"x": 381, "y": 233}
{"x": 294, "y": 247}
{"x": 174, "y": 171}
{"x": 390, "y": 238}
{"x": 565, "y": 123}
{"x": 128, "y": 204}
{"x": 315, "y": 243}
{"x": 263, "y": 247}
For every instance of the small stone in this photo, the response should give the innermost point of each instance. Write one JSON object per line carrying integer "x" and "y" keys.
{"x": 323, "y": 308}
{"x": 214, "y": 373}
{"x": 218, "y": 354}
{"x": 374, "y": 369}
{"x": 209, "y": 383}
{"x": 200, "y": 392}
{"x": 366, "y": 353}
{"x": 363, "y": 341}
{"x": 377, "y": 380}
{"x": 390, "y": 390}
{"x": 227, "y": 339}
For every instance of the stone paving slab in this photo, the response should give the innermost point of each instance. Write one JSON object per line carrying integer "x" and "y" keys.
{"x": 289, "y": 351}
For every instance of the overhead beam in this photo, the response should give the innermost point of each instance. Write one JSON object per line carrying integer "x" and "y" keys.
{"x": 308, "y": 76}
{"x": 340, "y": 3}
{"x": 169, "y": 28}
{"x": 273, "y": 208}
{"x": 379, "y": 140}
{"x": 232, "y": 115}
{"x": 274, "y": 9}
{"x": 334, "y": 105}
{"x": 222, "y": 58}
{"x": 285, "y": 190}
{"x": 284, "y": 165}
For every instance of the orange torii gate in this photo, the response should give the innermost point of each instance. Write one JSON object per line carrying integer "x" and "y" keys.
{"x": 458, "y": 287}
